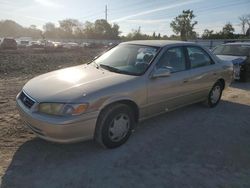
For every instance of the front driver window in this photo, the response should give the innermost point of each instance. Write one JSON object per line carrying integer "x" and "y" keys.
{"x": 173, "y": 59}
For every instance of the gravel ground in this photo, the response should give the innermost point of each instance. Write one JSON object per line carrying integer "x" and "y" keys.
{"x": 191, "y": 147}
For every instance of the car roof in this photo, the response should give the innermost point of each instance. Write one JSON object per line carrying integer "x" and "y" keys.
{"x": 157, "y": 43}
{"x": 9, "y": 38}
{"x": 237, "y": 43}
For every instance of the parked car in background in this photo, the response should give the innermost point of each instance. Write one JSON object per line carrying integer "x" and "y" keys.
{"x": 42, "y": 42}
{"x": 58, "y": 44}
{"x": 8, "y": 43}
{"x": 36, "y": 44}
{"x": 239, "y": 54}
{"x": 131, "y": 82}
{"x": 84, "y": 44}
{"x": 23, "y": 43}
{"x": 48, "y": 45}
{"x": 71, "y": 45}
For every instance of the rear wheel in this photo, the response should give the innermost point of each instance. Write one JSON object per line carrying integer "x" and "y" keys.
{"x": 214, "y": 95}
{"x": 114, "y": 125}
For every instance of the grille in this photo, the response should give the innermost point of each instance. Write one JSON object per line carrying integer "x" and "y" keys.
{"x": 26, "y": 100}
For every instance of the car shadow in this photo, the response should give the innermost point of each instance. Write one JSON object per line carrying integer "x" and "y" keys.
{"x": 241, "y": 85}
{"x": 191, "y": 147}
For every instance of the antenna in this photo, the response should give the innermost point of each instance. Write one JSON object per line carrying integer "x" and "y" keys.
{"x": 106, "y": 12}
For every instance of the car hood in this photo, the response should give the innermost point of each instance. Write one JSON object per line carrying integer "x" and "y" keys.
{"x": 72, "y": 84}
{"x": 233, "y": 59}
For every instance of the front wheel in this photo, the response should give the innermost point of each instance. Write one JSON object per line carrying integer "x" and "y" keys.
{"x": 114, "y": 126}
{"x": 214, "y": 95}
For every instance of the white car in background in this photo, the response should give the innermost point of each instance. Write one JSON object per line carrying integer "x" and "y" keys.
{"x": 58, "y": 44}
{"x": 71, "y": 45}
{"x": 84, "y": 44}
{"x": 239, "y": 54}
{"x": 23, "y": 43}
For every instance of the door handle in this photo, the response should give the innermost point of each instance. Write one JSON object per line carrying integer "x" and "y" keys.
{"x": 185, "y": 81}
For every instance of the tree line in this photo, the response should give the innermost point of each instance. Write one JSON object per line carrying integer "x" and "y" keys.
{"x": 9, "y": 28}
{"x": 183, "y": 26}
{"x": 72, "y": 28}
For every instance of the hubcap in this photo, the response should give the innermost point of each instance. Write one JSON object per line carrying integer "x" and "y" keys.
{"x": 119, "y": 127}
{"x": 215, "y": 94}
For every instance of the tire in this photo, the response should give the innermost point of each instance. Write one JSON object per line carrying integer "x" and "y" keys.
{"x": 242, "y": 73}
{"x": 247, "y": 72}
{"x": 114, "y": 125}
{"x": 214, "y": 95}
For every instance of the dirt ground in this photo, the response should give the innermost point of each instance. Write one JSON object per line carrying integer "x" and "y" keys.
{"x": 191, "y": 147}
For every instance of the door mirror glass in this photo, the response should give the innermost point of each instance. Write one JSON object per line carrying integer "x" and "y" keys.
{"x": 161, "y": 72}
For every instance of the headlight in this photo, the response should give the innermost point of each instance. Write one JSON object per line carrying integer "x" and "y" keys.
{"x": 61, "y": 109}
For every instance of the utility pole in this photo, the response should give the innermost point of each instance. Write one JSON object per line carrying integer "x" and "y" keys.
{"x": 106, "y": 12}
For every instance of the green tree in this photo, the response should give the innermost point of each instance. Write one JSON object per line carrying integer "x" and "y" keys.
{"x": 183, "y": 24}
{"x": 88, "y": 30}
{"x": 165, "y": 37}
{"x": 154, "y": 35}
{"x": 53, "y": 32}
{"x": 48, "y": 27}
{"x": 102, "y": 29}
{"x": 243, "y": 22}
{"x": 228, "y": 29}
{"x": 115, "y": 31}
{"x": 33, "y": 27}
{"x": 9, "y": 28}
{"x": 207, "y": 34}
{"x": 159, "y": 36}
{"x": 69, "y": 25}
{"x": 136, "y": 35}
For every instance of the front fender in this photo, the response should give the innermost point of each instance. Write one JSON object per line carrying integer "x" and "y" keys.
{"x": 116, "y": 99}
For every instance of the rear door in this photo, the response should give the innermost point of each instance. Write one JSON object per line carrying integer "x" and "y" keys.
{"x": 203, "y": 72}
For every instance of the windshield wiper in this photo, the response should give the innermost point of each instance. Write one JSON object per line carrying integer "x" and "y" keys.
{"x": 96, "y": 65}
{"x": 112, "y": 69}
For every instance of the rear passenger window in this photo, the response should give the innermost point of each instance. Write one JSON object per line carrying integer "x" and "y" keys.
{"x": 198, "y": 57}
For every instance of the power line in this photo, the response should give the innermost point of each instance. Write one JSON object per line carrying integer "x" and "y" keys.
{"x": 92, "y": 15}
{"x": 203, "y": 9}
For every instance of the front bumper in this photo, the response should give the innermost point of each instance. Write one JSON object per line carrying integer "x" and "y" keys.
{"x": 59, "y": 129}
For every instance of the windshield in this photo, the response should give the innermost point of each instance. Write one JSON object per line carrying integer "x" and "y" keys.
{"x": 127, "y": 59}
{"x": 234, "y": 50}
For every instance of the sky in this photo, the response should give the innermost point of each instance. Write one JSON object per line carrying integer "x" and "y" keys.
{"x": 150, "y": 15}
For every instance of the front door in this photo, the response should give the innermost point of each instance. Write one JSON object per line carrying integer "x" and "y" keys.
{"x": 168, "y": 93}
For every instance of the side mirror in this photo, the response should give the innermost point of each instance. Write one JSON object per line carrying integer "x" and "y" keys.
{"x": 161, "y": 72}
